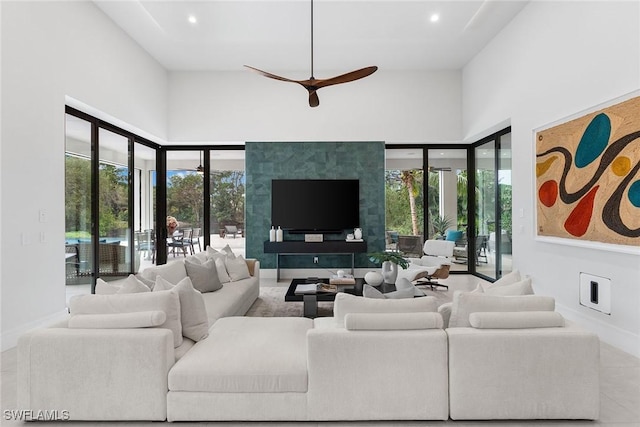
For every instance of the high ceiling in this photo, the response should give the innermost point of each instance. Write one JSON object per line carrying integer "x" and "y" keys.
{"x": 275, "y": 35}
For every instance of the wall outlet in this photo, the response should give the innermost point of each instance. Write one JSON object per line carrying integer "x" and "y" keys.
{"x": 595, "y": 292}
{"x": 315, "y": 259}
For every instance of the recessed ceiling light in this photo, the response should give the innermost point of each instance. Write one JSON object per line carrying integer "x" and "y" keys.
{"x": 442, "y": 154}
{"x": 192, "y": 19}
{"x": 435, "y": 17}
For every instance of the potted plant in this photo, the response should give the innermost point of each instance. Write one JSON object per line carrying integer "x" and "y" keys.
{"x": 440, "y": 225}
{"x": 390, "y": 262}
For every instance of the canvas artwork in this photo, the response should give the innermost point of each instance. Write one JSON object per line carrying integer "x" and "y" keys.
{"x": 588, "y": 176}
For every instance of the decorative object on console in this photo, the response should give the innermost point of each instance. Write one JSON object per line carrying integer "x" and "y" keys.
{"x": 272, "y": 234}
{"x": 357, "y": 234}
{"x": 350, "y": 236}
{"x": 373, "y": 278}
{"x": 313, "y": 237}
{"x": 279, "y": 235}
{"x": 390, "y": 262}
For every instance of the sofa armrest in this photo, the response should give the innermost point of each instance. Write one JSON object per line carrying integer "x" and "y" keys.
{"x": 254, "y": 267}
{"x": 96, "y": 374}
{"x": 541, "y": 373}
{"x": 377, "y": 375}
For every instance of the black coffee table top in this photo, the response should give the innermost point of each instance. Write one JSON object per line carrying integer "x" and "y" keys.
{"x": 330, "y": 296}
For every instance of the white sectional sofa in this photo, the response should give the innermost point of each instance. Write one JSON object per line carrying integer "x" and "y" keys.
{"x": 377, "y": 359}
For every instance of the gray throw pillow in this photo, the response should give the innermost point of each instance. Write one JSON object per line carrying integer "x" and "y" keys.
{"x": 203, "y": 276}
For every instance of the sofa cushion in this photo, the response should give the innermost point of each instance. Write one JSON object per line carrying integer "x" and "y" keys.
{"x": 230, "y": 300}
{"x": 222, "y": 269}
{"x": 173, "y": 272}
{"x": 516, "y": 320}
{"x": 237, "y": 268}
{"x": 193, "y": 314}
{"x": 138, "y": 319}
{"x": 247, "y": 355}
{"x": 203, "y": 275}
{"x": 347, "y": 303}
{"x": 392, "y": 321}
{"x": 465, "y": 303}
{"x": 167, "y": 301}
{"x": 369, "y": 291}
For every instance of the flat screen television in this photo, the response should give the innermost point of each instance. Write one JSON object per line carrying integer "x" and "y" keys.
{"x": 315, "y": 205}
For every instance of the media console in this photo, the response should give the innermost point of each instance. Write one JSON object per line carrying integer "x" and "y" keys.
{"x": 298, "y": 247}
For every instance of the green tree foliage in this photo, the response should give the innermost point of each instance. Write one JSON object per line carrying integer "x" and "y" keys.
{"x": 184, "y": 198}
{"x": 113, "y": 197}
{"x": 227, "y": 197}
{"x": 404, "y": 201}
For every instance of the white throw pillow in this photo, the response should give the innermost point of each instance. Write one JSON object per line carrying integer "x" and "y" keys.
{"x": 222, "y": 269}
{"x": 507, "y": 279}
{"x": 237, "y": 268}
{"x": 210, "y": 251}
{"x": 203, "y": 276}
{"x": 130, "y": 285}
{"x": 138, "y": 319}
{"x": 369, "y": 291}
{"x": 465, "y": 303}
{"x": 347, "y": 303}
{"x": 173, "y": 272}
{"x": 193, "y": 313}
{"x": 403, "y": 284}
{"x": 167, "y": 301}
{"x": 522, "y": 287}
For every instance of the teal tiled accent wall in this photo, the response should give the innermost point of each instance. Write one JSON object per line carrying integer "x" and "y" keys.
{"x": 313, "y": 160}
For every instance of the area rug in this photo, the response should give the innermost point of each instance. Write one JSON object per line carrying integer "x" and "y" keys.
{"x": 271, "y": 303}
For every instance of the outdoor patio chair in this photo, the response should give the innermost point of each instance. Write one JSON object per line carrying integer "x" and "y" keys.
{"x": 194, "y": 239}
{"x": 180, "y": 241}
{"x": 231, "y": 229}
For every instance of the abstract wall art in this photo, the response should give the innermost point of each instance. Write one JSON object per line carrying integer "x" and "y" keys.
{"x": 588, "y": 176}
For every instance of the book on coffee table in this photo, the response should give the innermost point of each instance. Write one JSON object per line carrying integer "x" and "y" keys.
{"x": 347, "y": 279}
{"x": 315, "y": 288}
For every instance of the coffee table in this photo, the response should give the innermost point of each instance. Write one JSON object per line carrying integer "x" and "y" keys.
{"x": 310, "y": 301}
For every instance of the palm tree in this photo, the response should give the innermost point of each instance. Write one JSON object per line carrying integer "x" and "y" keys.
{"x": 410, "y": 179}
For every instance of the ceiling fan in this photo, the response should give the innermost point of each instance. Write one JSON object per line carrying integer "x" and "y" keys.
{"x": 438, "y": 169}
{"x": 313, "y": 84}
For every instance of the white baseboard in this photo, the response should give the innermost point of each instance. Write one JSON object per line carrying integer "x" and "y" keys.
{"x": 613, "y": 335}
{"x": 10, "y": 338}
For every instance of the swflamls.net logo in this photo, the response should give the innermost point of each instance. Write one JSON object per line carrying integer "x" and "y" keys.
{"x": 39, "y": 415}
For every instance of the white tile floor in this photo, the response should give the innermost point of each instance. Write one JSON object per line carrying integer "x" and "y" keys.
{"x": 619, "y": 389}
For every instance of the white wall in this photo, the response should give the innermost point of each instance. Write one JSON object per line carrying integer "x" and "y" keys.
{"x": 554, "y": 60}
{"x": 53, "y": 50}
{"x": 386, "y": 106}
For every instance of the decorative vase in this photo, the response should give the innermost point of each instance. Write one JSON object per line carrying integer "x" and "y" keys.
{"x": 272, "y": 234}
{"x": 357, "y": 233}
{"x": 389, "y": 271}
{"x": 279, "y": 234}
{"x": 373, "y": 278}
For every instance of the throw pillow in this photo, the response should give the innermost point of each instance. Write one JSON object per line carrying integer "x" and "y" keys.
{"x": 210, "y": 252}
{"x": 369, "y": 291}
{"x": 508, "y": 279}
{"x": 129, "y": 285}
{"x": 138, "y": 319}
{"x": 222, "y": 269}
{"x": 193, "y": 313}
{"x": 228, "y": 252}
{"x": 237, "y": 268}
{"x": 347, "y": 303}
{"x": 173, "y": 272}
{"x": 203, "y": 276}
{"x": 403, "y": 283}
{"x": 166, "y": 301}
{"x": 518, "y": 288}
{"x": 465, "y": 303}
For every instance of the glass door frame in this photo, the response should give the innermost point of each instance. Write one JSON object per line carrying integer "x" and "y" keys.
{"x": 495, "y": 137}
{"x": 96, "y": 125}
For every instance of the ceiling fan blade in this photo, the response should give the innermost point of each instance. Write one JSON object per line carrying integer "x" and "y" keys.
{"x": 314, "y": 101}
{"x": 272, "y": 76}
{"x": 348, "y": 77}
